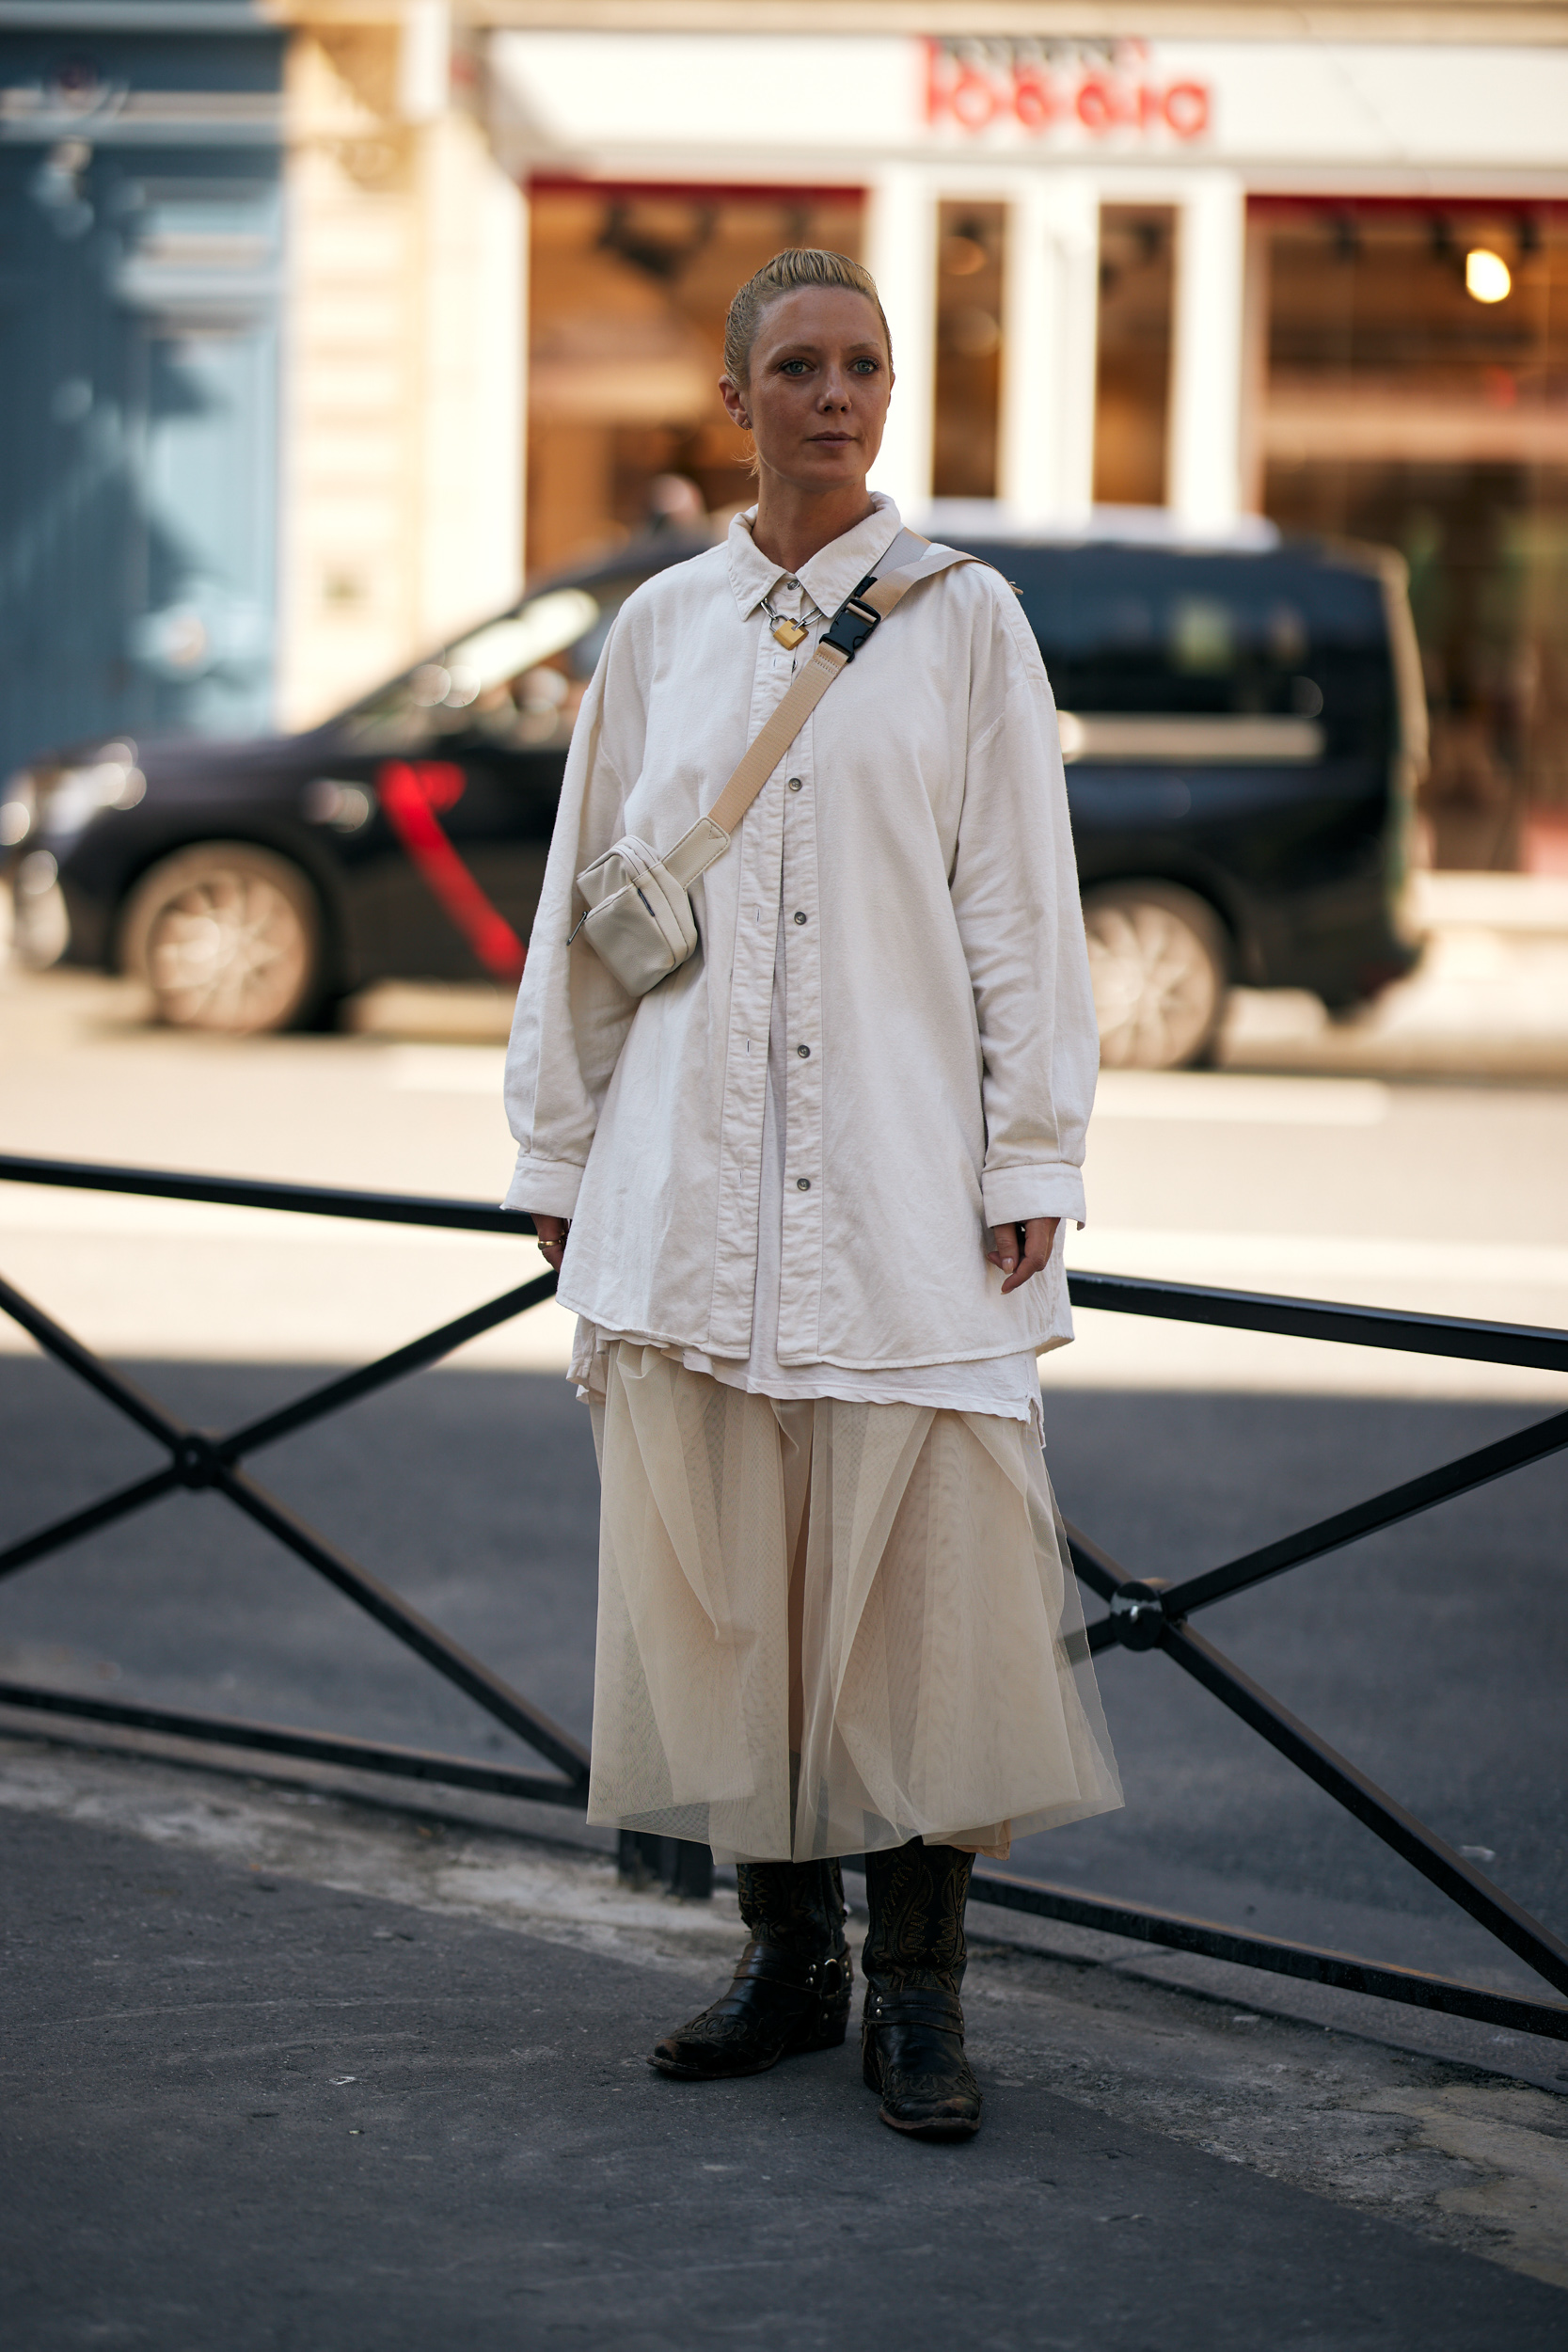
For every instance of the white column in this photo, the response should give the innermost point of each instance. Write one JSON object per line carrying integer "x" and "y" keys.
{"x": 901, "y": 239}
{"x": 1205, "y": 462}
{"x": 469, "y": 361}
{"x": 1052, "y": 296}
{"x": 424, "y": 60}
{"x": 407, "y": 326}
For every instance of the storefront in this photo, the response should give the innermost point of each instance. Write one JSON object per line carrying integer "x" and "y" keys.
{"x": 1166, "y": 286}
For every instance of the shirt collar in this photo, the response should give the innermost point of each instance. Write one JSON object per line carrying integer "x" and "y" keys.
{"x": 831, "y": 572}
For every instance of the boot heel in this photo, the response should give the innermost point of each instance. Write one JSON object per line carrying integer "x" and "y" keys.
{"x": 833, "y": 2025}
{"x": 912, "y": 2054}
{"x": 778, "y": 2006}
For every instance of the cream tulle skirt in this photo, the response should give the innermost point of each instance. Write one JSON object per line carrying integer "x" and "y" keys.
{"x": 829, "y": 1627}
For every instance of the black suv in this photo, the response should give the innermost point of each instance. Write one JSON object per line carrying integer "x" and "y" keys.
{"x": 1242, "y": 727}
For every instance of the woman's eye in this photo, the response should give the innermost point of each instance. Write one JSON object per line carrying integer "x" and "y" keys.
{"x": 792, "y": 367}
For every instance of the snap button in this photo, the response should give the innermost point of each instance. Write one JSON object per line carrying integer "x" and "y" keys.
{"x": 804, "y": 1051}
{"x": 802, "y": 1183}
{"x": 795, "y": 784}
{"x": 800, "y": 918}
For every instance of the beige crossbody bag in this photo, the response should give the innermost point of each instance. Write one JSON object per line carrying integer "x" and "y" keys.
{"x": 640, "y": 921}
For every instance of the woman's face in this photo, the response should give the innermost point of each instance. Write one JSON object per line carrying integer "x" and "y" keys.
{"x": 817, "y": 390}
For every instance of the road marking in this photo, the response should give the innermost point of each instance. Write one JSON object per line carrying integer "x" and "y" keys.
{"x": 443, "y": 1069}
{"x": 1258, "y": 1260}
{"x": 47, "y": 1209}
{"x": 1277, "y": 1261}
{"x": 1212, "y": 1097}
{"x": 1182, "y": 1096}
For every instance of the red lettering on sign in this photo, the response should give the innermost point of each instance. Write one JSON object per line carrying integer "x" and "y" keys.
{"x": 978, "y": 88}
{"x": 1034, "y": 100}
{"x": 1095, "y": 106}
{"x": 975, "y": 101}
{"x": 1187, "y": 109}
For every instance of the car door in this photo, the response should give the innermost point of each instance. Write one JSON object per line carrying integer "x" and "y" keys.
{"x": 463, "y": 760}
{"x": 1213, "y": 704}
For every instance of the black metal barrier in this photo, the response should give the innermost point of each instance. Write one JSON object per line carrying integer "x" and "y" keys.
{"x": 1145, "y": 1613}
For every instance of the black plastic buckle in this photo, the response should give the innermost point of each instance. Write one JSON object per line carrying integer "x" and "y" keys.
{"x": 853, "y": 623}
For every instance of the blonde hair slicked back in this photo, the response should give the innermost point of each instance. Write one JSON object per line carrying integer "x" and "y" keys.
{"x": 797, "y": 266}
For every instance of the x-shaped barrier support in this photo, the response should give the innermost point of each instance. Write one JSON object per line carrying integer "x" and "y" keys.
{"x": 1149, "y": 1613}
{"x": 1146, "y": 1613}
{"x": 200, "y": 1461}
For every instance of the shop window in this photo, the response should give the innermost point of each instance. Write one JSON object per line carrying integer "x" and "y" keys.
{"x": 629, "y": 291}
{"x": 1415, "y": 395}
{"x": 969, "y": 351}
{"x": 1131, "y": 399}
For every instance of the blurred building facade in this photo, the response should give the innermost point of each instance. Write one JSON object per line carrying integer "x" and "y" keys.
{"x": 262, "y": 367}
{"x": 320, "y": 326}
{"x": 1190, "y": 264}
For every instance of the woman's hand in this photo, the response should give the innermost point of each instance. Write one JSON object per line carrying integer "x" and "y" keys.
{"x": 1020, "y": 1251}
{"x": 552, "y": 1232}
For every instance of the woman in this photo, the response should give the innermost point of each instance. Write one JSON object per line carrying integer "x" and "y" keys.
{"x": 806, "y": 1197}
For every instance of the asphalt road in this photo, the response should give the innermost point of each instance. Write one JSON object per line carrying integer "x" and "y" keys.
{"x": 1447, "y": 1199}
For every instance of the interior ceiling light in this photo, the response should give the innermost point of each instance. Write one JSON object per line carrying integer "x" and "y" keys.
{"x": 1486, "y": 275}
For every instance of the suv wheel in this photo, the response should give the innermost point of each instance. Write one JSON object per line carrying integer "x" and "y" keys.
{"x": 227, "y": 937}
{"x": 1157, "y": 957}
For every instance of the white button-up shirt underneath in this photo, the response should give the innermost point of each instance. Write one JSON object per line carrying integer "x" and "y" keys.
{"x": 782, "y": 1162}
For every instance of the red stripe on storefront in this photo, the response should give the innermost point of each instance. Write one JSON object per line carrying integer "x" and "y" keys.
{"x": 407, "y": 790}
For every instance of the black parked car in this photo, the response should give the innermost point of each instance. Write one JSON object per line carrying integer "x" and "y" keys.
{"x": 1242, "y": 730}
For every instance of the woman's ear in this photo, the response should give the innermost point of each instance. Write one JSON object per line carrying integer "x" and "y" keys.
{"x": 735, "y": 403}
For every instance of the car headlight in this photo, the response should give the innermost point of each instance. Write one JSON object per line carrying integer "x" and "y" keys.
{"x": 75, "y": 796}
{"x": 42, "y": 919}
{"x": 18, "y": 809}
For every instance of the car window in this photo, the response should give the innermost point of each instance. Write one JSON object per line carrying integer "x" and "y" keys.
{"x": 1135, "y": 629}
{"x": 518, "y": 681}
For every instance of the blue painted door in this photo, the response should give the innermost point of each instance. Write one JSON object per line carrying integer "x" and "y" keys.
{"x": 138, "y": 430}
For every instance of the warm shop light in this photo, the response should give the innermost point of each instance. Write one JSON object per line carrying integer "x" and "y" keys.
{"x": 1486, "y": 275}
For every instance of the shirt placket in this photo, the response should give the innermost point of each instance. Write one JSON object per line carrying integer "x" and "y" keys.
{"x": 758, "y": 847}
{"x": 804, "y": 1176}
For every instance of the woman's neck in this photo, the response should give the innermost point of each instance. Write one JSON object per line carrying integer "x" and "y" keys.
{"x": 793, "y": 525}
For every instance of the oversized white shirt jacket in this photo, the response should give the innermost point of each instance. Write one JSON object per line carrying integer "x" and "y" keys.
{"x": 941, "y": 1031}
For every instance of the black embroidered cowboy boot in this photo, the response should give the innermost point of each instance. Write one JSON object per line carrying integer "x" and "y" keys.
{"x": 912, "y": 2026}
{"x": 791, "y": 1990}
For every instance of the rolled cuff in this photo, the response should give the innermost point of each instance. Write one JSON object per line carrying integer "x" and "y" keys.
{"x": 544, "y": 1187}
{"x": 1011, "y": 1196}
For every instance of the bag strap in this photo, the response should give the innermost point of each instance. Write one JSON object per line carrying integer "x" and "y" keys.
{"x": 862, "y": 611}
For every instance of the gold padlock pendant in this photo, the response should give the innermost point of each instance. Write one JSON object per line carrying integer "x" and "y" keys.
{"x": 789, "y": 634}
